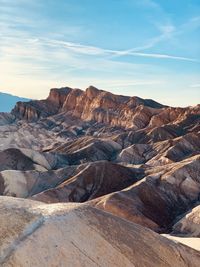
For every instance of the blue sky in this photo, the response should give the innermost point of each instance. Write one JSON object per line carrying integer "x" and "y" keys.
{"x": 148, "y": 48}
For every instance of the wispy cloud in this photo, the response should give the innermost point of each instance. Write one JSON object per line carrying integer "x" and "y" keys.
{"x": 97, "y": 51}
{"x": 192, "y": 24}
{"x": 163, "y": 56}
{"x": 166, "y": 32}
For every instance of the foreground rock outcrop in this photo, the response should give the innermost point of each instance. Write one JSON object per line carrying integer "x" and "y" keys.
{"x": 35, "y": 234}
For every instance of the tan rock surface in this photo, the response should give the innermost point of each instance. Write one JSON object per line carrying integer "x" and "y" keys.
{"x": 193, "y": 242}
{"x": 34, "y": 234}
{"x": 189, "y": 224}
{"x": 156, "y": 200}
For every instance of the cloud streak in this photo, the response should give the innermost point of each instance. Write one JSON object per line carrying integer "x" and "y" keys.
{"x": 97, "y": 51}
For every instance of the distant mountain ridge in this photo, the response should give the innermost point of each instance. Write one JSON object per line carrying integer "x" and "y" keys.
{"x": 8, "y": 101}
{"x": 89, "y": 105}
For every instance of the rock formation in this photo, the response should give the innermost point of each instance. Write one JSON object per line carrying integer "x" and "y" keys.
{"x": 131, "y": 162}
{"x": 35, "y": 234}
{"x": 96, "y": 179}
{"x": 189, "y": 224}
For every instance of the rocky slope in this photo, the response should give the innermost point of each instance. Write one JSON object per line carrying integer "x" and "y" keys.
{"x": 189, "y": 224}
{"x": 133, "y": 158}
{"x": 26, "y": 240}
{"x": 96, "y": 179}
{"x": 157, "y": 199}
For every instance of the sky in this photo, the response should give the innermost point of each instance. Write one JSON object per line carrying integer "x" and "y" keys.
{"x": 146, "y": 48}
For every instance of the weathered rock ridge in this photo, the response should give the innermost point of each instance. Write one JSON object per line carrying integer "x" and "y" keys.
{"x": 81, "y": 236}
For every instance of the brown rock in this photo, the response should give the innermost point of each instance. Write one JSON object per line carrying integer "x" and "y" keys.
{"x": 96, "y": 179}
{"x": 98, "y": 238}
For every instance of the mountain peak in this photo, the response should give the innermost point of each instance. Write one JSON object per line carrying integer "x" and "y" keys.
{"x": 92, "y": 91}
{"x": 92, "y": 104}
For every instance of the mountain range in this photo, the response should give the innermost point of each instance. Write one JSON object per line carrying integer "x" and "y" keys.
{"x": 115, "y": 180}
{"x": 8, "y": 101}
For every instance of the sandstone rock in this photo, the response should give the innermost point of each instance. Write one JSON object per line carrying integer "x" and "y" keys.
{"x": 135, "y": 154}
{"x": 156, "y": 200}
{"x": 96, "y": 179}
{"x": 35, "y": 109}
{"x": 28, "y": 183}
{"x": 28, "y": 159}
{"x": 58, "y": 96}
{"x": 88, "y": 149}
{"x": 25, "y": 227}
{"x": 189, "y": 224}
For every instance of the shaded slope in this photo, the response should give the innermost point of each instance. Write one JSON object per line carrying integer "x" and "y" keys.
{"x": 96, "y": 179}
{"x": 159, "y": 198}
